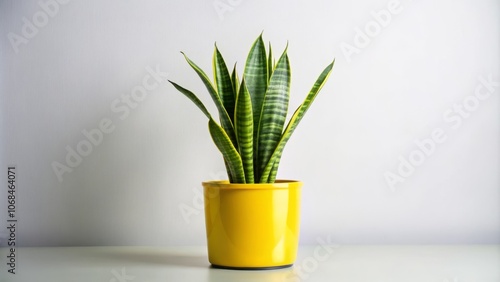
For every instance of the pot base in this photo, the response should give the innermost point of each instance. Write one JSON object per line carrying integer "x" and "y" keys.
{"x": 252, "y": 268}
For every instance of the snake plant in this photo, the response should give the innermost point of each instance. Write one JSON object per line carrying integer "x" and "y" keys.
{"x": 252, "y": 112}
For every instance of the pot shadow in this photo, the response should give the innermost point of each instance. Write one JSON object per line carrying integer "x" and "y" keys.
{"x": 275, "y": 275}
{"x": 156, "y": 257}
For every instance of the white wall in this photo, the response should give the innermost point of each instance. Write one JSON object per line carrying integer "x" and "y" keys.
{"x": 401, "y": 87}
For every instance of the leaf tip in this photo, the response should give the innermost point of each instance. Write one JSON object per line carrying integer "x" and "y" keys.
{"x": 332, "y": 64}
{"x": 173, "y": 83}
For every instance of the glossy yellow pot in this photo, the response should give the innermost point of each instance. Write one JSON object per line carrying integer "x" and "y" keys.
{"x": 252, "y": 226}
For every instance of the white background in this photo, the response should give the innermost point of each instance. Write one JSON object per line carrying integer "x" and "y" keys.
{"x": 133, "y": 186}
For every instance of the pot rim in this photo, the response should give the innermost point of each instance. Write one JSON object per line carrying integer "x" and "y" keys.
{"x": 279, "y": 184}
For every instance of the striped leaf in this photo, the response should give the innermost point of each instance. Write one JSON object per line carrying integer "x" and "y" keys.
{"x": 192, "y": 97}
{"x": 229, "y": 152}
{"x": 255, "y": 75}
{"x": 252, "y": 115}
{"x": 223, "y": 82}
{"x": 229, "y": 173}
{"x": 243, "y": 124}
{"x": 274, "y": 111}
{"x": 202, "y": 107}
{"x": 292, "y": 124}
{"x": 274, "y": 171}
{"x": 223, "y": 115}
{"x": 235, "y": 80}
{"x": 270, "y": 64}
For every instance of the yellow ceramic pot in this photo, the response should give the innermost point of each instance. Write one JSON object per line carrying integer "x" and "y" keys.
{"x": 252, "y": 226}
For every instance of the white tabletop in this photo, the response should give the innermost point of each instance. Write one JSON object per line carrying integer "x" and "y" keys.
{"x": 476, "y": 263}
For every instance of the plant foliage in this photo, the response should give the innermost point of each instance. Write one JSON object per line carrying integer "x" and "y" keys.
{"x": 252, "y": 134}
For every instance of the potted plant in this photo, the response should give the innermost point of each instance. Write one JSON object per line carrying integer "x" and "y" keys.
{"x": 252, "y": 219}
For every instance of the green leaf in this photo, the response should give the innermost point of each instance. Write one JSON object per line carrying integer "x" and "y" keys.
{"x": 223, "y": 115}
{"x": 229, "y": 152}
{"x": 235, "y": 80}
{"x": 229, "y": 175}
{"x": 270, "y": 64}
{"x": 274, "y": 171}
{"x": 255, "y": 75}
{"x": 192, "y": 97}
{"x": 223, "y": 82}
{"x": 274, "y": 111}
{"x": 202, "y": 107}
{"x": 243, "y": 124}
{"x": 294, "y": 121}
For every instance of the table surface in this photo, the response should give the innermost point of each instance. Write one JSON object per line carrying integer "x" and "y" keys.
{"x": 440, "y": 263}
